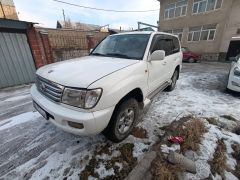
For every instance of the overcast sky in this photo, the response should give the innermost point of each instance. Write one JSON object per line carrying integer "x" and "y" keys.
{"x": 47, "y": 12}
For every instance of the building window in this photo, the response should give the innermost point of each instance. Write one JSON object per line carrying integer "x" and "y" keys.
{"x": 177, "y": 9}
{"x": 203, "y": 33}
{"x": 177, "y": 32}
{"x": 200, "y": 6}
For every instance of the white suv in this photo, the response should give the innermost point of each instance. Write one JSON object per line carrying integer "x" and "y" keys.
{"x": 105, "y": 91}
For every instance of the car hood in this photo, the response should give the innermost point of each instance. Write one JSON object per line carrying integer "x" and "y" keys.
{"x": 81, "y": 72}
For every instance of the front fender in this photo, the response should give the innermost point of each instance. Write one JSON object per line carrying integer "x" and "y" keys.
{"x": 120, "y": 83}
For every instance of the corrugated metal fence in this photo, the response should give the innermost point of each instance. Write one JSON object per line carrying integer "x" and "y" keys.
{"x": 16, "y": 61}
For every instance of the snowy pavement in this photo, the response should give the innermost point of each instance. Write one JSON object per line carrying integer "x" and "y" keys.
{"x": 15, "y": 101}
{"x": 32, "y": 148}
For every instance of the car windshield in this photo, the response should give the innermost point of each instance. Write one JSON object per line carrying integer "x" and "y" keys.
{"x": 128, "y": 46}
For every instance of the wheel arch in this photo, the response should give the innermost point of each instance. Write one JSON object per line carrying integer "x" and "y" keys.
{"x": 135, "y": 93}
{"x": 178, "y": 69}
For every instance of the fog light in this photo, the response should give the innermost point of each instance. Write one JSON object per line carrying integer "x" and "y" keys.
{"x": 75, "y": 125}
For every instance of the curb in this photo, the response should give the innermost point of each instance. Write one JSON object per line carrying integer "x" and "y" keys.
{"x": 142, "y": 168}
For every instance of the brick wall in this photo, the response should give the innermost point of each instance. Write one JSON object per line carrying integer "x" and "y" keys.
{"x": 35, "y": 47}
{"x": 68, "y": 44}
{"x": 46, "y": 47}
{"x": 53, "y": 45}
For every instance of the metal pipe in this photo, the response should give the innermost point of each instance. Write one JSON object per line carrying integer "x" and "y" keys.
{"x": 146, "y": 25}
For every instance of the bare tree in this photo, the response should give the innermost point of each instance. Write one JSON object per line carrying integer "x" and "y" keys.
{"x": 68, "y": 23}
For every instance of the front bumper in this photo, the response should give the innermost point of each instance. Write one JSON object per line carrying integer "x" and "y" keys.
{"x": 234, "y": 83}
{"x": 93, "y": 122}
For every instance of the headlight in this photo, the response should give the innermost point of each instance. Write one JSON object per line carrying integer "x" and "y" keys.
{"x": 236, "y": 71}
{"x": 86, "y": 99}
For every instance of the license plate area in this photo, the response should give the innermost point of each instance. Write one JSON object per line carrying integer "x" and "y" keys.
{"x": 41, "y": 110}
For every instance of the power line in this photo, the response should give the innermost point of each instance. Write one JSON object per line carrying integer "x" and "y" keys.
{"x": 107, "y": 10}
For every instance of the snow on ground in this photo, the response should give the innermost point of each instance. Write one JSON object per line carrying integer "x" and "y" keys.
{"x": 103, "y": 172}
{"x": 32, "y": 148}
{"x": 207, "y": 150}
{"x": 14, "y": 91}
{"x": 17, "y": 98}
{"x": 8, "y": 123}
{"x": 188, "y": 98}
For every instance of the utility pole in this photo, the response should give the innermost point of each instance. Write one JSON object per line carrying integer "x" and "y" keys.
{"x": 2, "y": 9}
{"x": 64, "y": 18}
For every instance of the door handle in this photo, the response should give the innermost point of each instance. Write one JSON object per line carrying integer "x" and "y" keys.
{"x": 164, "y": 63}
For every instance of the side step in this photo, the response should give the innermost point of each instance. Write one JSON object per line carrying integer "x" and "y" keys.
{"x": 147, "y": 103}
{"x": 159, "y": 89}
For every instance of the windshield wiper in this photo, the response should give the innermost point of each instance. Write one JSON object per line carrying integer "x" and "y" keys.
{"x": 98, "y": 54}
{"x": 119, "y": 55}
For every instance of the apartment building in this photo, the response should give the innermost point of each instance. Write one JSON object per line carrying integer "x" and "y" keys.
{"x": 8, "y": 10}
{"x": 209, "y": 27}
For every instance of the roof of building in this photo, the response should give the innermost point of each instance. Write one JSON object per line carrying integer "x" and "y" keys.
{"x": 15, "y": 24}
{"x": 78, "y": 25}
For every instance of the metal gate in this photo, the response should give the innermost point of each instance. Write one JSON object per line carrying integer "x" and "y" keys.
{"x": 16, "y": 61}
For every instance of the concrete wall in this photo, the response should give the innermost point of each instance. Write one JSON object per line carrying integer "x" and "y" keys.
{"x": 231, "y": 26}
{"x": 221, "y": 16}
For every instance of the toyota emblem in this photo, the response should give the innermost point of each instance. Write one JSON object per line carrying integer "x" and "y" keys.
{"x": 43, "y": 87}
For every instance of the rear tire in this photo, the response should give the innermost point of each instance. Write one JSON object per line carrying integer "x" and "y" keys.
{"x": 122, "y": 121}
{"x": 174, "y": 78}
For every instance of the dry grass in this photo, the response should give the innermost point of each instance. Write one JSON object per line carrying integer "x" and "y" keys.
{"x": 192, "y": 132}
{"x": 161, "y": 169}
{"x": 218, "y": 163}
{"x": 212, "y": 120}
{"x": 139, "y": 132}
{"x": 236, "y": 155}
{"x": 125, "y": 157}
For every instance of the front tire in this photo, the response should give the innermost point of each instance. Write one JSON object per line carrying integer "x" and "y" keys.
{"x": 122, "y": 121}
{"x": 174, "y": 79}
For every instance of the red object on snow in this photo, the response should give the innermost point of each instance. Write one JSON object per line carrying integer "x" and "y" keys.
{"x": 175, "y": 139}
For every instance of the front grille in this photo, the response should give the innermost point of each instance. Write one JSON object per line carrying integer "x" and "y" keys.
{"x": 49, "y": 89}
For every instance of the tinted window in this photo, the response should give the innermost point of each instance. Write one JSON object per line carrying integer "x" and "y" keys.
{"x": 129, "y": 46}
{"x": 176, "y": 47}
{"x": 167, "y": 43}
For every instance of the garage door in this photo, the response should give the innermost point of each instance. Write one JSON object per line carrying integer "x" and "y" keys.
{"x": 16, "y": 61}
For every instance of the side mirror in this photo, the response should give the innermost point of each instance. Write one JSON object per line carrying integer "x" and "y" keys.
{"x": 90, "y": 51}
{"x": 233, "y": 59}
{"x": 157, "y": 55}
